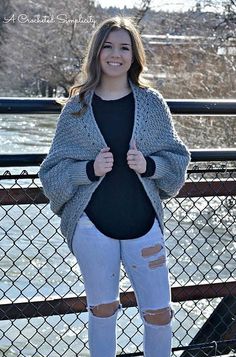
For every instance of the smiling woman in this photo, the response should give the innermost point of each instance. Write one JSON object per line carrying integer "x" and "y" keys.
{"x": 114, "y": 157}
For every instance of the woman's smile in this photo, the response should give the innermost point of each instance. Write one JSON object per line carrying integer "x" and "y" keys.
{"x": 114, "y": 64}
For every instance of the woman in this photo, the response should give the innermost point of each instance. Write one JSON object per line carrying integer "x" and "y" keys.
{"x": 114, "y": 157}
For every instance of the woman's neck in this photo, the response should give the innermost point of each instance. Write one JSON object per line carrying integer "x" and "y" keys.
{"x": 112, "y": 89}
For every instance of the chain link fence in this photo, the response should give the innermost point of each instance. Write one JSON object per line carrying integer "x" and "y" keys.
{"x": 43, "y": 303}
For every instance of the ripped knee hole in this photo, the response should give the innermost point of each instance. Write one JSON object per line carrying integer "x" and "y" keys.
{"x": 158, "y": 317}
{"x": 105, "y": 310}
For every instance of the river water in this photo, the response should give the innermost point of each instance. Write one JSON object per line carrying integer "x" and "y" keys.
{"x": 35, "y": 261}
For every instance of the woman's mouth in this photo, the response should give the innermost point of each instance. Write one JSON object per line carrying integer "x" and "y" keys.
{"x": 114, "y": 64}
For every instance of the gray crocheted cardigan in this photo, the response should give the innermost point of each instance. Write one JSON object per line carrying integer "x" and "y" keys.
{"x": 78, "y": 140}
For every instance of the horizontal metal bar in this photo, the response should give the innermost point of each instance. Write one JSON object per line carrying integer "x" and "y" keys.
{"x": 213, "y": 155}
{"x": 208, "y": 189}
{"x": 30, "y": 195}
{"x": 25, "y": 105}
{"x": 202, "y": 106}
{"x": 206, "y": 345}
{"x": 197, "y": 347}
{"x": 19, "y": 160}
{"x": 25, "y": 175}
{"x": 63, "y": 306}
{"x": 22, "y": 196}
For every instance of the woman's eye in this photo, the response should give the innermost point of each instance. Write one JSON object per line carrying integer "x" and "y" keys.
{"x": 123, "y": 47}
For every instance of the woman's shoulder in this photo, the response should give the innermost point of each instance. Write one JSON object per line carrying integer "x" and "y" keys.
{"x": 69, "y": 106}
{"x": 154, "y": 98}
{"x": 66, "y": 119}
{"x": 146, "y": 90}
{"x": 71, "y": 102}
{"x": 154, "y": 93}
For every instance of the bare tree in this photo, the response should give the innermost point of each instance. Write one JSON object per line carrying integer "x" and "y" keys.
{"x": 142, "y": 8}
{"x": 227, "y": 24}
{"x": 5, "y": 10}
{"x": 46, "y": 44}
{"x": 191, "y": 56}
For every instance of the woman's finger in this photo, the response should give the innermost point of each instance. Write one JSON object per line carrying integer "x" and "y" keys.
{"x": 132, "y": 152}
{"x": 105, "y": 149}
{"x": 107, "y": 155}
{"x": 132, "y": 144}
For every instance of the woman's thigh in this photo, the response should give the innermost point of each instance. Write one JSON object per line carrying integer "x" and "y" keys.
{"x": 145, "y": 262}
{"x": 98, "y": 257}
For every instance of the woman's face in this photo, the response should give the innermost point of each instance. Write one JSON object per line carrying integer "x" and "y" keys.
{"x": 116, "y": 54}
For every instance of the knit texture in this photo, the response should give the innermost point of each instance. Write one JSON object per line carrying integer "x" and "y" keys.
{"x": 78, "y": 140}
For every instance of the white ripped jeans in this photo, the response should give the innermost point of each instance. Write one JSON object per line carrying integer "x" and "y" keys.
{"x": 144, "y": 259}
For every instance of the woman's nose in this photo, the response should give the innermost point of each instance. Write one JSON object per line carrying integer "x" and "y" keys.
{"x": 115, "y": 52}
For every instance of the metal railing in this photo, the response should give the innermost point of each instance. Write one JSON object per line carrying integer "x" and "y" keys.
{"x": 27, "y": 105}
{"x": 43, "y": 303}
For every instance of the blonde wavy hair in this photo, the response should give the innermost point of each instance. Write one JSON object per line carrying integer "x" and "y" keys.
{"x": 90, "y": 74}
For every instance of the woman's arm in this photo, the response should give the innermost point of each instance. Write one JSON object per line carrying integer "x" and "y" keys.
{"x": 62, "y": 172}
{"x": 172, "y": 158}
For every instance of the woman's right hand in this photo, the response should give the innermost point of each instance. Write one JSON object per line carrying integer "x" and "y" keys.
{"x": 103, "y": 162}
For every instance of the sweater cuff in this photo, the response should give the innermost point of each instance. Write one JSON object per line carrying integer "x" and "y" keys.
{"x": 90, "y": 171}
{"x": 162, "y": 168}
{"x": 77, "y": 173}
{"x": 151, "y": 167}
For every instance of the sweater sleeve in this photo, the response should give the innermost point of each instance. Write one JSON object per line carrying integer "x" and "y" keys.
{"x": 150, "y": 167}
{"x": 90, "y": 171}
{"x": 172, "y": 158}
{"x": 62, "y": 172}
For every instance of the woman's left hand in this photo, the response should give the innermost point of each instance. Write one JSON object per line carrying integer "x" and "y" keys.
{"x": 135, "y": 159}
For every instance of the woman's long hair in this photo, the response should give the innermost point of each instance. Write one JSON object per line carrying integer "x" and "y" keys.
{"x": 90, "y": 74}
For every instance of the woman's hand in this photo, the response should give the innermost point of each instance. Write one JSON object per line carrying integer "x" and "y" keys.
{"x": 103, "y": 162}
{"x": 135, "y": 159}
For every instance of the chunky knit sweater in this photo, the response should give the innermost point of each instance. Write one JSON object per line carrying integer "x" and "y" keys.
{"x": 78, "y": 140}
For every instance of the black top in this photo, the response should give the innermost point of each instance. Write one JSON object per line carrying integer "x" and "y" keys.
{"x": 119, "y": 207}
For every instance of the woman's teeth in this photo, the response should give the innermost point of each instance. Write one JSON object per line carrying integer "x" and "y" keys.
{"x": 114, "y": 64}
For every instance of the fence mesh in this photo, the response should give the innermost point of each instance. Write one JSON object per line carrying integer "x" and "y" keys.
{"x": 36, "y": 266}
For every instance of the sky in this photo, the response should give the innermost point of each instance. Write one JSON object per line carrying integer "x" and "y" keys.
{"x": 165, "y": 5}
